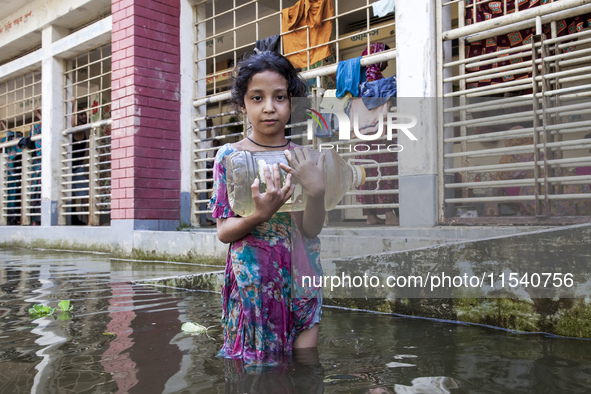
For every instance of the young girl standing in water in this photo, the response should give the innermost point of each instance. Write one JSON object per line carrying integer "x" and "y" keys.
{"x": 261, "y": 315}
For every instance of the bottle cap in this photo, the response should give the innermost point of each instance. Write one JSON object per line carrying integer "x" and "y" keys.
{"x": 358, "y": 175}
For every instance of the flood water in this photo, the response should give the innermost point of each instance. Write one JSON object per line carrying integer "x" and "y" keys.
{"x": 124, "y": 338}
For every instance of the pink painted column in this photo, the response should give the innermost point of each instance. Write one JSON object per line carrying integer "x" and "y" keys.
{"x": 145, "y": 139}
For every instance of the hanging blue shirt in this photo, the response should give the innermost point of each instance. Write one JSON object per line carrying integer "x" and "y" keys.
{"x": 349, "y": 77}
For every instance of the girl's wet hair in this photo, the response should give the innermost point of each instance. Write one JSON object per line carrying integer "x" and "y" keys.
{"x": 265, "y": 61}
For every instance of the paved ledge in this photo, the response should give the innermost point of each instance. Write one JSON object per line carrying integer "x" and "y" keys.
{"x": 523, "y": 309}
{"x": 561, "y": 310}
{"x": 355, "y": 241}
{"x": 194, "y": 245}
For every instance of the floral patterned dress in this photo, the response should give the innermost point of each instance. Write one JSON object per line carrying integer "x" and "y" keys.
{"x": 263, "y": 310}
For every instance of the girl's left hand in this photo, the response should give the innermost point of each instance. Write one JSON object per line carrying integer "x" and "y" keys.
{"x": 307, "y": 173}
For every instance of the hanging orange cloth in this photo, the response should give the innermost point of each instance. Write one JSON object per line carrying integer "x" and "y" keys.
{"x": 309, "y": 13}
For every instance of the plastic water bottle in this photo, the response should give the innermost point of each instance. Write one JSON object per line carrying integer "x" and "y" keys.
{"x": 242, "y": 167}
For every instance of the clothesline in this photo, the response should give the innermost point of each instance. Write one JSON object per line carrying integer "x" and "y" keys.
{"x": 309, "y": 74}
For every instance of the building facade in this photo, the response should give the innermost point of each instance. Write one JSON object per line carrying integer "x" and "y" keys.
{"x": 126, "y": 101}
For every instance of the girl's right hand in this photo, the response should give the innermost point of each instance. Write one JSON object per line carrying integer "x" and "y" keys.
{"x": 268, "y": 203}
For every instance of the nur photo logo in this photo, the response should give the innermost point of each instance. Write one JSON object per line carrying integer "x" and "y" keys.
{"x": 387, "y": 123}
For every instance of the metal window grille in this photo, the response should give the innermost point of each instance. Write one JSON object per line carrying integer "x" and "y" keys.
{"x": 20, "y": 169}
{"x": 85, "y": 195}
{"x": 227, "y": 30}
{"x": 515, "y": 137}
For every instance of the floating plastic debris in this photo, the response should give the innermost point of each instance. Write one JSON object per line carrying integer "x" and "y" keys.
{"x": 194, "y": 328}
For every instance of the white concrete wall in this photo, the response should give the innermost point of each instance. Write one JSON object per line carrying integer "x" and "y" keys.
{"x": 416, "y": 76}
{"x": 52, "y": 122}
{"x": 22, "y": 28}
{"x": 58, "y": 43}
{"x": 188, "y": 111}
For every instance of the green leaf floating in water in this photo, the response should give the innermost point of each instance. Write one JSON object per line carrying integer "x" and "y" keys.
{"x": 194, "y": 328}
{"x": 39, "y": 310}
{"x": 65, "y": 306}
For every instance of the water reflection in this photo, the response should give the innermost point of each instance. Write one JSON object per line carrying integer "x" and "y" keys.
{"x": 104, "y": 347}
{"x": 300, "y": 373}
{"x": 50, "y": 336}
{"x": 432, "y": 385}
{"x": 124, "y": 338}
{"x": 116, "y": 360}
{"x": 18, "y": 347}
{"x": 152, "y": 351}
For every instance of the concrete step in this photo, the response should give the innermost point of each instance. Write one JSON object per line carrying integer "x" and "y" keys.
{"x": 538, "y": 280}
{"x": 367, "y": 240}
{"x": 491, "y": 259}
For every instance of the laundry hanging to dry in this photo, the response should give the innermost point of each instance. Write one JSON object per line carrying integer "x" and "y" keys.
{"x": 309, "y": 13}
